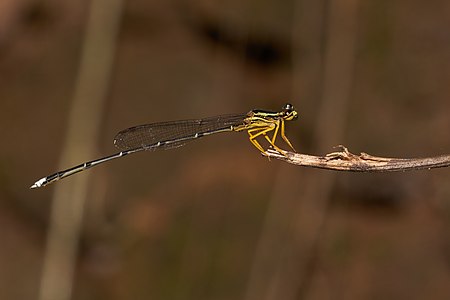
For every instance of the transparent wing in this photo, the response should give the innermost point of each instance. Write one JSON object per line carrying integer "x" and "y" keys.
{"x": 172, "y": 134}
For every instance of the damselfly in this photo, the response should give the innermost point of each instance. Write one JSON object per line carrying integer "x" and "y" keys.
{"x": 173, "y": 134}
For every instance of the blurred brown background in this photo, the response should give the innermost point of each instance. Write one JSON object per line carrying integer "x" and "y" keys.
{"x": 214, "y": 219}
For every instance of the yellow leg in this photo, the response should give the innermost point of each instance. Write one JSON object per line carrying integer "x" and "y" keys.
{"x": 283, "y": 135}
{"x": 275, "y": 133}
{"x": 263, "y": 131}
{"x": 259, "y": 132}
{"x": 274, "y": 137}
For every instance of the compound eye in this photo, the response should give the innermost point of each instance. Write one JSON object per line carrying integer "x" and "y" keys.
{"x": 288, "y": 107}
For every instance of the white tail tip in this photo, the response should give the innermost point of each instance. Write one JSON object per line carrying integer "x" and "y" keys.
{"x": 38, "y": 183}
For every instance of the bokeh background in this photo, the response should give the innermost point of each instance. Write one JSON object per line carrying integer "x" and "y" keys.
{"x": 215, "y": 219}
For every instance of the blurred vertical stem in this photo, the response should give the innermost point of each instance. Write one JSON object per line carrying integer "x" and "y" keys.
{"x": 338, "y": 77}
{"x": 286, "y": 255}
{"x": 83, "y": 129}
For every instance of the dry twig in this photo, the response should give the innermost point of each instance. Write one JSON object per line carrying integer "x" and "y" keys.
{"x": 344, "y": 160}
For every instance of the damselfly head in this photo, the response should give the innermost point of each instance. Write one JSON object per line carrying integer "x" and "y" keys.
{"x": 289, "y": 112}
